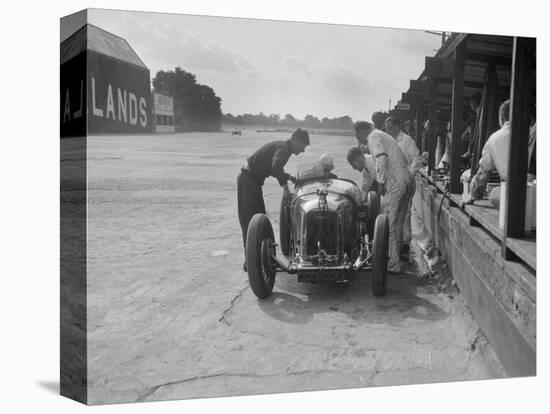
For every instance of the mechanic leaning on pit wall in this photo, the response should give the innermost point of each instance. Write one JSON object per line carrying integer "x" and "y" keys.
{"x": 268, "y": 161}
{"x": 393, "y": 177}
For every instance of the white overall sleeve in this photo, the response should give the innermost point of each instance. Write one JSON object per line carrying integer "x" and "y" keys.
{"x": 380, "y": 155}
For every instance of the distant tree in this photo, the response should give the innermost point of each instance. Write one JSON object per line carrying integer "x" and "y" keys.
{"x": 274, "y": 120}
{"x": 311, "y": 121}
{"x": 289, "y": 120}
{"x": 345, "y": 122}
{"x": 229, "y": 118}
{"x": 196, "y": 106}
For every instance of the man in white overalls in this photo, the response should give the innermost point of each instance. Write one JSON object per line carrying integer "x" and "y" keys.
{"x": 393, "y": 177}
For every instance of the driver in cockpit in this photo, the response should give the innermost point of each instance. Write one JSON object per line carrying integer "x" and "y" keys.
{"x": 327, "y": 164}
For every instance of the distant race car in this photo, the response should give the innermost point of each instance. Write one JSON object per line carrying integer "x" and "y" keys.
{"x": 326, "y": 234}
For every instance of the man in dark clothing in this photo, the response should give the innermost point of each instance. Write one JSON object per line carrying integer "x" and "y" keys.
{"x": 268, "y": 161}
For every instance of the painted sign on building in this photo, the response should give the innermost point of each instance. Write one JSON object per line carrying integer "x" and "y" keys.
{"x": 105, "y": 87}
{"x": 163, "y": 113}
{"x": 119, "y": 98}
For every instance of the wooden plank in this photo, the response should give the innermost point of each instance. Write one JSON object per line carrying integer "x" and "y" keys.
{"x": 487, "y": 48}
{"x": 524, "y": 277}
{"x": 513, "y": 349}
{"x": 486, "y": 125}
{"x": 456, "y": 39}
{"x": 499, "y": 40}
{"x": 498, "y": 60}
{"x": 487, "y": 285}
{"x": 419, "y": 119}
{"x": 467, "y": 84}
{"x": 491, "y": 102}
{"x": 484, "y": 213}
{"x": 417, "y": 87}
{"x": 525, "y": 249}
{"x": 456, "y": 120}
{"x": 439, "y": 67}
{"x": 522, "y": 273}
{"x": 520, "y": 96}
{"x": 432, "y": 116}
{"x": 487, "y": 215}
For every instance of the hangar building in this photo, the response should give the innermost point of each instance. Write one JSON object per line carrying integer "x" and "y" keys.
{"x": 105, "y": 86}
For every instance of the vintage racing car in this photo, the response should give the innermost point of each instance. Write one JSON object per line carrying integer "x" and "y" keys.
{"x": 326, "y": 234}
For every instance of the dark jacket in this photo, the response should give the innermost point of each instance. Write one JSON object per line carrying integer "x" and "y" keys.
{"x": 270, "y": 160}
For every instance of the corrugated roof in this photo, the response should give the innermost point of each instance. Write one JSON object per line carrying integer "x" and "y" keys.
{"x": 479, "y": 50}
{"x": 90, "y": 37}
{"x": 73, "y": 45}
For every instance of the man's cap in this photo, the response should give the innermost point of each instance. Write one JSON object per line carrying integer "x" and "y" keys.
{"x": 301, "y": 135}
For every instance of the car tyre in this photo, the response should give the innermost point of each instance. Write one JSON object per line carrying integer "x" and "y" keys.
{"x": 380, "y": 255}
{"x": 284, "y": 224}
{"x": 259, "y": 248}
{"x": 373, "y": 205}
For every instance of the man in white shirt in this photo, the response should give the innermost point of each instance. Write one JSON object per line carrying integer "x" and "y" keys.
{"x": 405, "y": 142}
{"x": 393, "y": 178}
{"x": 413, "y": 225}
{"x": 494, "y": 155}
{"x": 414, "y": 162}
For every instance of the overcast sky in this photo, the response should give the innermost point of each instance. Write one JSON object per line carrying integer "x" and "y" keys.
{"x": 279, "y": 67}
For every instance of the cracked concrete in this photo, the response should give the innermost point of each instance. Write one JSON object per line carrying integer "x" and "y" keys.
{"x": 231, "y": 304}
{"x": 150, "y": 393}
{"x": 170, "y": 312}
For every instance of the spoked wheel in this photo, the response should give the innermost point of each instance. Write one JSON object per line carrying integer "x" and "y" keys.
{"x": 284, "y": 228}
{"x": 380, "y": 255}
{"x": 259, "y": 248}
{"x": 373, "y": 205}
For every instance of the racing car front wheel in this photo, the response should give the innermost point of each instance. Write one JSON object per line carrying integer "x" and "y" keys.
{"x": 380, "y": 255}
{"x": 259, "y": 249}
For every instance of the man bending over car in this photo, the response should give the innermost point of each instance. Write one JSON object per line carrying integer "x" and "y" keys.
{"x": 268, "y": 161}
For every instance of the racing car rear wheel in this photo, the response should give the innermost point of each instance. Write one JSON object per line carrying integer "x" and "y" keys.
{"x": 380, "y": 255}
{"x": 373, "y": 205}
{"x": 259, "y": 248}
{"x": 284, "y": 228}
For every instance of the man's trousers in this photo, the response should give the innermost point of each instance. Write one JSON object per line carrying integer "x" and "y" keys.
{"x": 250, "y": 200}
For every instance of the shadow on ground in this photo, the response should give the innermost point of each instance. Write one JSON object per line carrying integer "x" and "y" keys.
{"x": 297, "y": 303}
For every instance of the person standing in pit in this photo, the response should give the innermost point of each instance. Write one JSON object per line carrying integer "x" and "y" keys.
{"x": 414, "y": 162}
{"x": 393, "y": 178}
{"x": 414, "y": 225}
{"x": 378, "y": 120}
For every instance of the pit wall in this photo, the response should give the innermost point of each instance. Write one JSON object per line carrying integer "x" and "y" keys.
{"x": 500, "y": 294}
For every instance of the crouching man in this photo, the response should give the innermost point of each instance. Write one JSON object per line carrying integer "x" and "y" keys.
{"x": 268, "y": 161}
{"x": 393, "y": 178}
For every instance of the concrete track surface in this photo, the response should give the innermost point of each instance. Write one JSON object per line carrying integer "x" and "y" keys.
{"x": 170, "y": 311}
